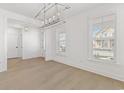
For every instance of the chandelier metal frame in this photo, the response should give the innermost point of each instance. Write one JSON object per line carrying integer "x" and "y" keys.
{"x": 56, "y": 18}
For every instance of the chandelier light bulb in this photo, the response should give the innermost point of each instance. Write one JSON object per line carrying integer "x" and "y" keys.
{"x": 50, "y": 19}
{"x": 53, "y": 17}
{"x": 26, "y": 28}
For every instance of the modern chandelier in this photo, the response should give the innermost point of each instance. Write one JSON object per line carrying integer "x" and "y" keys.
{"x": 51, "y": 13}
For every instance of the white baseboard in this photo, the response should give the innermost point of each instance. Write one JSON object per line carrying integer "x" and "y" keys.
{"x": 93, "y": 70}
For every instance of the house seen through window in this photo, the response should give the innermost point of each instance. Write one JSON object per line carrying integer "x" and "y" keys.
{"x": 103, "y": 41}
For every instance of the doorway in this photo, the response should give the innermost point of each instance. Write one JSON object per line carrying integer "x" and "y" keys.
{"x": 14, "y": 38}
{"x": 14, "y": 41}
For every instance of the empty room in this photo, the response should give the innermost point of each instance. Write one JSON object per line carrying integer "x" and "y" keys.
{"x": 61, "y": 46}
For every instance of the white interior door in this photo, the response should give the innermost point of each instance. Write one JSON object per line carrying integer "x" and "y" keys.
{"x": 13, "y": 42}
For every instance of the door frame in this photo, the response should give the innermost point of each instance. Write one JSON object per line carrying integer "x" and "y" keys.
{"x": 19, "y": 42}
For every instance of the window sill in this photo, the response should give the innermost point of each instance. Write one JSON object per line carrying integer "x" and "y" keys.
{"x": 61, "y": 54}
{"x": 102, "y": 61}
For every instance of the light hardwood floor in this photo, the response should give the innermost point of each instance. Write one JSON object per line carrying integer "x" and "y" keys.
{"x": 37, "y": 74}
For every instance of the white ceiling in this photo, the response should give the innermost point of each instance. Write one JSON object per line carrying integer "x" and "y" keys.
{"x": 27, "y": 9}
{"x": 31, "y": 9}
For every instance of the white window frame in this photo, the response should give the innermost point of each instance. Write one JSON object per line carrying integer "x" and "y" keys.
{"x": 90, "y": 40}
{"x": 60, "y": 53}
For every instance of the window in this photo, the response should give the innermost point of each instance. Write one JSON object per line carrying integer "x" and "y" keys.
{"x": 103, "y": 38}
{"x": 61, "y": 42}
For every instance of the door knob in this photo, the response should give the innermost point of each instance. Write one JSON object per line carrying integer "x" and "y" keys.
{"x": 16, "y": 47}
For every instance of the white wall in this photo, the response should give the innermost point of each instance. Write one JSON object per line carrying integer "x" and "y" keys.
{"x": 77, "y": 43}
{"x": 31, "y": 42}
{"x": 3, "y": 44}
